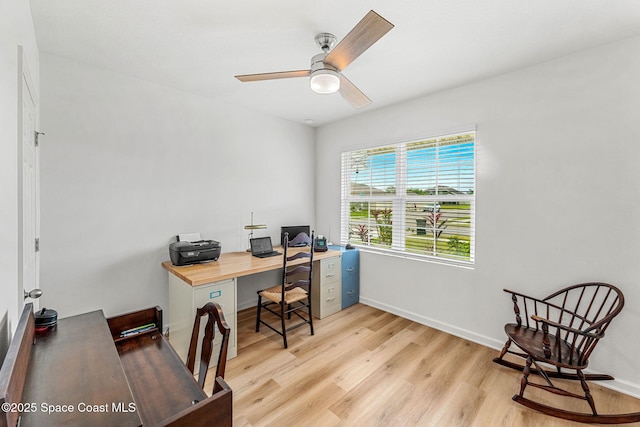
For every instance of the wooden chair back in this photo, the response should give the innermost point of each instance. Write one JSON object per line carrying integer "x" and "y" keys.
{"x": 302, "y": 273}
{"x": 215, "y": 319}
{"x": 579, "y": 315}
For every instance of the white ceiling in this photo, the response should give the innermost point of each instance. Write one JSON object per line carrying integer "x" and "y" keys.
{"x": 199, "y": 45}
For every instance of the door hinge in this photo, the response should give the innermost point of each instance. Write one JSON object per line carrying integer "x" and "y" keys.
{"x": 36, "y": 134}
{"x": 37, "y": 244}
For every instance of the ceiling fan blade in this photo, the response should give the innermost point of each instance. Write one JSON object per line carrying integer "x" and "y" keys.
{"x": 273, "y": 76}
{"x": 352, "y": 94}
{"x": 366, "y": 32}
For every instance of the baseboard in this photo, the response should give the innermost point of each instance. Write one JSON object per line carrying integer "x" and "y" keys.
{"x": 618, "y": 385}
{"x": 246, "y": 304}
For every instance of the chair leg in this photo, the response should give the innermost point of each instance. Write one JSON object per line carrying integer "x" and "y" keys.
{"x": 525, "y": 375}
{"x": 587, "y": 392}
{"x": 258, "y": 313}
{"x": 310, "y": 318}
{"x": 505, "y": 348}
{"x": 282, "y": 322}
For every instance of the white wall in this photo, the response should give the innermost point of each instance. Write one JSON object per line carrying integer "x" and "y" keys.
{"x": 128, "y": 164}
{"x": 558, "y": 196}
{"x": 16, "y": 28}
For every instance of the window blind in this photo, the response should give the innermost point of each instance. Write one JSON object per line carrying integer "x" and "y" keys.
{"x": 416, "y": 198}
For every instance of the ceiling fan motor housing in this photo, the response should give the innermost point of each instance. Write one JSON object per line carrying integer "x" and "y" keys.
{"x": 317, "y": 63}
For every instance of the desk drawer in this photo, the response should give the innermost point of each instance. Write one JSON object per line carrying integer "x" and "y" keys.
{"x": 330, "y": 270}
{"x": 330, "y": 300}
{"x": 222, "y": 293}
{"x": 330, "y": 295}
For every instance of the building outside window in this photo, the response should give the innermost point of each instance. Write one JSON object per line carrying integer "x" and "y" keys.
{"x": 414, "y": 199}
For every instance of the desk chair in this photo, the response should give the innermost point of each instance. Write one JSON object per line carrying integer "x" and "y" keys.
{"x": 293, "y": 296}
{"x": 556, "y": 335}
{"x": 215, "y": 315}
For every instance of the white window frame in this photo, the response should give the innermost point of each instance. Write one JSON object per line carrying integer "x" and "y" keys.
{"x": 399, "y": 202}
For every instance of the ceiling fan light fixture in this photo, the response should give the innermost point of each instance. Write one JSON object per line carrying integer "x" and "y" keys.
{"x": 325, "y": 81}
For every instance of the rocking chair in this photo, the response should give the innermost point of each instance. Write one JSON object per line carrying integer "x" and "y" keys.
{"x": 561, "y": 331}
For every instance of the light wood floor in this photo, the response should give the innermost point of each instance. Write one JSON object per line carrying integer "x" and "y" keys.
{"x": 366, "y": 367}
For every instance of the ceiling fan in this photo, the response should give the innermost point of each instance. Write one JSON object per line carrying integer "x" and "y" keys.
{"x": 326, "y": 67}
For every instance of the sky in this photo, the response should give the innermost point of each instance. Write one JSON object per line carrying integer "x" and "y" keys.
{"x": 451, "y": 164}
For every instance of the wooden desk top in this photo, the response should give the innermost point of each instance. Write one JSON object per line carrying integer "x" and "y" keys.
{"x": 76, "y": 364}
{"x": 150, "y": 363}
{"x": 236, "y": 264}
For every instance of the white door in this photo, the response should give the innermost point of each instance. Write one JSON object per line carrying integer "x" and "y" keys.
{"x": 29, "y": 183}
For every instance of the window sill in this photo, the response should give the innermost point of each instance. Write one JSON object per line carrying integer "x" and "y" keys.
{"x": 468, "y": 265}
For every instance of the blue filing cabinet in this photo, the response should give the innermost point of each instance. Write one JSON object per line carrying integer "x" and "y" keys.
{"x": 350, "y": 275}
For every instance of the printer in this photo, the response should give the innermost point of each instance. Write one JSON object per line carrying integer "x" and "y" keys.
{"x": 185, "y": 252}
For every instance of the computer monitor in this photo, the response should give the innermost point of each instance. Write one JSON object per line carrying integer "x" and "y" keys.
{"x": 295, "y": 239}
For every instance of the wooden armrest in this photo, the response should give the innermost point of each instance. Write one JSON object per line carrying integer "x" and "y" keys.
{"x": 585, "y": 333}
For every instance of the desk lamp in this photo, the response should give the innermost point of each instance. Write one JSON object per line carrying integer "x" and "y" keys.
{"x": 252, "y": 227}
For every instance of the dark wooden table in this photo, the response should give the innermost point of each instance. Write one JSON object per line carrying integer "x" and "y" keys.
{"x": 82, "y": 373}
{"x": 76, "y": 367}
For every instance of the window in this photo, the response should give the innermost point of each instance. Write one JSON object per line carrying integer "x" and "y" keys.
{"x": 413, "y": 198}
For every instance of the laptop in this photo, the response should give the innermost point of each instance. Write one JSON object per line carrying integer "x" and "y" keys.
{"x": 261, "y": 247}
